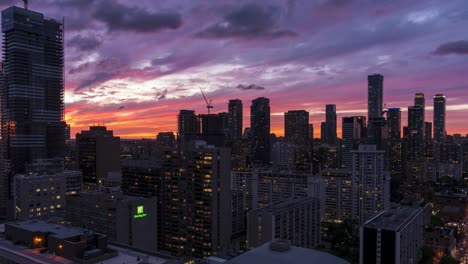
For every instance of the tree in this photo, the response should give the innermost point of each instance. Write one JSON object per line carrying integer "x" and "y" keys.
{"x": 447, "y": 259}
{"x": 427, "y": 255}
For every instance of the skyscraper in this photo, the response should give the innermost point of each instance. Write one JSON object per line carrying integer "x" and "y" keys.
{"x": 439, "y": 118}
{"x": 32, "y": 102}
{"x": 351, "y": 135}
{"x": 372, "y": 191}
{"x": 416, "y": 132}
{"x": 235, "y": 119}
{"x": 297, "y": 133}
{"x": 188, "y": 127}
{"x": 260, "y": 130}
{"x": 330, "y": 125}
{"x": 375, "y": 96}
{"x": 395, "y": 143}
{"x": 394, "y": 123}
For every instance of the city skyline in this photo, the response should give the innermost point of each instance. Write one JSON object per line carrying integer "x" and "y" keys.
{"x": 134, "y": 76}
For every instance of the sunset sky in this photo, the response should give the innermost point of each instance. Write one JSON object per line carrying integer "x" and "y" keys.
{"x": 133, "y": 65}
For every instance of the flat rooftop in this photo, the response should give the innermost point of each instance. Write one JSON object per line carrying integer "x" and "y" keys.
{"x": 59, "y": 231}
{"x": 393, "y": 219}
{"x": 296, "y": 255}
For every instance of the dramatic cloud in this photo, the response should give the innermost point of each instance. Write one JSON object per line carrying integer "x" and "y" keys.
{"x": 248, "y": 21}
{"x": 456, "y": 47}
{"x": 84, "y": 43}
{"x": 250, "y": 87}
{"x": 120, "y": 17}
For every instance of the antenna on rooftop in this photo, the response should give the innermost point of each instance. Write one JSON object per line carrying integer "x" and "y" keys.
{"x": 25, "y": 4}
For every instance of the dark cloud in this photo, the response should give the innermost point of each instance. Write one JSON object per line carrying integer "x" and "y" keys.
{"x": 100, "y": 77}
{"x": 84, "y": 43}
{"x": 160, "y": 95}
{"x": 455, "y": 47}
{"x": 248, "y": 21}
{"x": 120, "y": 17}
{"x": 250, "y": 87}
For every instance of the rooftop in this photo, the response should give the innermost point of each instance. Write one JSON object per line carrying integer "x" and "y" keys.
{"x": 393, "y": 219}
{"x": 62, "y": 232}
{"x": 296, "y": 255}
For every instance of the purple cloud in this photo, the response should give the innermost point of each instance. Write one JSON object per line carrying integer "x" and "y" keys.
{"x": 456, "y": 47}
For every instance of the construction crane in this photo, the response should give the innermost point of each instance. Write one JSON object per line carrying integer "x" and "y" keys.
{"x": 208, "y": 104}
{"x": 25, "y": 4}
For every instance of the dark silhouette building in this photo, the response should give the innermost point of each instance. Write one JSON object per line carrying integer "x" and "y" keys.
{"x": 439, "y": 117}
{"x": 297, "y": 133}
{"x": 32, "y": 104}
{"x": 329, "y": 127}
{"x": 235, "y": 119}
{"x": 98, "y": 155}
{"x": 375, "y": 96}
{"x": 260, "y": 130}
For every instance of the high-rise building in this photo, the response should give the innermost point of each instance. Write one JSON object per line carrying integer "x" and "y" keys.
{"x": 351, "y": 135}
{"x": 311, "y": 131}
{"x": 188, "y": 128}
{"x": 214, "y": 128}
{"x": 260, "y": 130}
{"x": 439, "y": 118}
{"x": 339, "y": 195}
{"x": 394, "y": 149}
{"x": 297, "y": 133}
{"x": 235, "y": 109}
{"x": 372, "y": 183}
{"x": 375, "y": 96}
{"x": 32, "y": 103}
{"x": 394, "y": 123}
{"x": 329, "y": 132}
{"x": 296, "y": 220}
{"x": 416, "y": 132}
{"x": 197, "y": 201}
{"x": 393, "y": 236}
{"x": 98, "y": 155}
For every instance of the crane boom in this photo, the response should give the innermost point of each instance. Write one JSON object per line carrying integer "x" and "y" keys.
{"x": 208, "y": 104}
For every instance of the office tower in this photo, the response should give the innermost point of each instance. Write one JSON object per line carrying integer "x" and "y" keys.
{"x": 394, "y": 236}
{"x": 142, "y": 178}
{"x": 98, "y": 155}
{"x": 329, "y": 128}
{"x": 297, "y": 133}
{"x": 235, "y": 109}
{"x": 439, "y": 118}
{"x": 296, "y": 220}
{"x": 32, "y": 126}
{"x": 415, "y": 132}
{"x": 375, "y": 96}
{"x": 351, "y": 138}
{"x": 372, "y": 183}
{"x": 197, "y": 201}
{"x": 214, "y": 128}
{"x": 127, "y": 220}
{"x": 260, "y": 130}
{"x": 188, "y": 127}
{"x": 339, "y": 195}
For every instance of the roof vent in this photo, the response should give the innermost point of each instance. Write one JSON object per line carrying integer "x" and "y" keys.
{"x": 280, "y": 245}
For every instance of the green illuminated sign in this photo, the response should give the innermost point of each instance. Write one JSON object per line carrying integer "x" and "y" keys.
{"x": 140, "y": 212}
